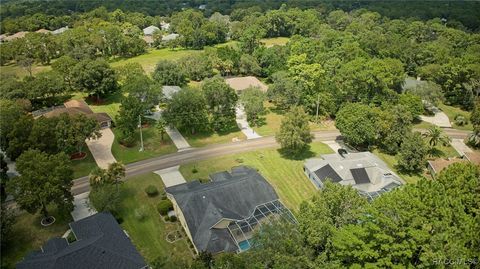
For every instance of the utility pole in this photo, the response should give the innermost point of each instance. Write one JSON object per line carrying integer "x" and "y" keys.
{"x": 141, "y": 136}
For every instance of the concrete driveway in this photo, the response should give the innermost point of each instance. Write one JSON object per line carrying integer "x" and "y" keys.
{"x": 101, "y": 148}
{"x": 460, "y": 146}
{"x": 440, "y": 119}
{"x": 81, "y": 209}
{"x": 177, "y": 138}
{"x": 171, "y": 176}
{"x": 242, "y": 123}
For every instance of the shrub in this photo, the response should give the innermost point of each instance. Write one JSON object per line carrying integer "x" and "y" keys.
{"x": 140, "y": 213}
{"x": 460, "y": 120}
{"x": 173, "y": 218}
{"x": 151, "y": 190}
{"x": 194, "y": 170}
{"x": 127, "y": 141}
{"x": 164, "y": 206}
{"x": 166, "y": 218}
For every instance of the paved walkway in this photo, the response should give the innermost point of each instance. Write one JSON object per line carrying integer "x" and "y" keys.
{"x": 440, "y": 119}
{"x": 243, "y": 124}
{"x": 101, "y": 148}
{"x": 177, "y": 138}
{"x": 81, "y": 209}
{"x": 460, "y": 146}
{"x": 171, "y": 176}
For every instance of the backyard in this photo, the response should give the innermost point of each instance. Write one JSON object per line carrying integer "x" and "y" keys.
{"x": 285, "y": 175}
{"x": 148, "y": 234}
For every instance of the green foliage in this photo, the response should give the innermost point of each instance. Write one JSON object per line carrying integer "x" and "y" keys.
{"x": 44, "y": 179}
{"x": 475, "y": 117}
{"x": 164, "y": 206}
{"x": 252, "y": 100}
{"x": 94, "y": 77}
{"x": 197, "y": 66}
{"x": 428, "y": 91}
{"x": 460, "y": 120}
{"x": 169, "y": 73}
{"x": 393, "y": 124}
{"x": 221, "y": 101}
{"x": 137, "y": 84}
{"x": 294, "y": 135}
{"x": 284, "y": 92}
{"x": 413, "y": 153}
{"x": 187, "y": 110}
{"x": 151, "y": 190}
{"x": 127, "y": 120}
{"x": 355, "y": 122}
{"x": 104, "y": 198}
{"x": 412, "y": 103}
{"x": 161, "y": 127}
{"x": 72, "y": 131}
{"x": 436, "y": 136}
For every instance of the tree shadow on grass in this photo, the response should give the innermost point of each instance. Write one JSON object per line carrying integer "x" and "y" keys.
{"x": 436, "y": 153}
{"x": 297, "y": 156}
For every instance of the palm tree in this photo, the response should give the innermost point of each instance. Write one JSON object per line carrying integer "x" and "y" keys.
{"x": 116, "y": 172}
{"x": 161, "y": 127}
{"x": 98, "y": 176}
{"x": 436, "y": 136}
{"x": 474, "y": 139}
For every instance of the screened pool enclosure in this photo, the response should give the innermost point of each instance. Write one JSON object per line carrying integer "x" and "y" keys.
{"x": 243, "y": 230}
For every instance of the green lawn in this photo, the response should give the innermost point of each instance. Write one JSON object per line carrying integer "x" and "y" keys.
{"x": 204, "y": 139}
{"x": 454, "y": 111}
{"x": 392, "y": 163}
{"x": 269, "y": 42}
{"x": 109, "y": 105}
{"x": 14, "y": 69}
{"x": 150, "y": 59}
{"x": 83, "y": 167}
{"x": 285, "y": 175}
{"x": 153, "y": 146}
{"x": 28, "y": 235}
{"x": 148, "y": 235}
{"x": 273, "y": 119}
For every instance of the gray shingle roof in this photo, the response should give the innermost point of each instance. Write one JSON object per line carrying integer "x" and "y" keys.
{"x": 229, "y": 195}
{"x": 101, "y": 243}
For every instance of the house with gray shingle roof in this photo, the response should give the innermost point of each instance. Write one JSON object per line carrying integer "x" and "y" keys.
{"x": 150, "y": 30}
{"x": 100, "y": 243}
{"x": 363, "y": 171}
{"x": 223, "y": 214}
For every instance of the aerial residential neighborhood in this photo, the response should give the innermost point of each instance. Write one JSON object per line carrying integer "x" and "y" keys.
{"x": 239, "y": 134}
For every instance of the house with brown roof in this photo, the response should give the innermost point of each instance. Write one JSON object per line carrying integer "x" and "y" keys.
{"x": 43, "y": 31}
{"x": 75, "y": 107}
{"x": 436, "y": 166}
{"x": 15, "y": 36}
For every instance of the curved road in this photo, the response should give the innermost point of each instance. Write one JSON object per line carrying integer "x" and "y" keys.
{"x": 82, "y": 185}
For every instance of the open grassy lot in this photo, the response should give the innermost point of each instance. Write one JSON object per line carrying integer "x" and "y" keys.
{"x": 109, "y": 105}
{"x": 269, "y": 42}
{"x": 150, "y": 59}
{"x": 28, "y": 235}
{"x": 273, "y": 119}
{"x": 454, "y": 111}
{"x": 148, "y": 235}
{"x": 203, "y": 139}
{"x": 152, "y": 144}
{"x": 285, "y": 175}
{"x": 83, "y": 167}
{"x": 14, "y": 69}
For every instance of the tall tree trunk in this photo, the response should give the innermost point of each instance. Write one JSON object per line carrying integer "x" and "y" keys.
{"x": 44, "y": 211}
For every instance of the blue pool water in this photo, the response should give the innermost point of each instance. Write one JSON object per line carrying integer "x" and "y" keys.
{"x": 244, "y": 245}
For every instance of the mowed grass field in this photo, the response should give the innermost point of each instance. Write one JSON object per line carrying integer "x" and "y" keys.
{"x": 285, "y": 175}
{"x": 148, "y": 235}
{"x": 270, "y": 42}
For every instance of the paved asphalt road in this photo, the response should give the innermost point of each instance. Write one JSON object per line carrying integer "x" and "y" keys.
{"x": 81, "y": 185}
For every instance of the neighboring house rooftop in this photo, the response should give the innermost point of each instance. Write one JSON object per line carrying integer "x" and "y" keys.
{"x": 170, "y": 37}
{"x": 473, "y": 157}
{"x": 217, "y": 213}
{"x": 150, "y": 30}
{"x": 15, "y": 36}
{"x": 436, "y": 166}
{"x": 411, "y": 83}
{"x": 148, "y": 39}
{"x": 362, "y": 170}
{"x": 165, "y": 26}
{"x": 43, "y": 31}
{"x": 74, "y": 107}
{"x": 101, "y": 243}
{"x": 60, "y": 30}
{"x": 242, "y": 83}
{"x": 169, "y": 91}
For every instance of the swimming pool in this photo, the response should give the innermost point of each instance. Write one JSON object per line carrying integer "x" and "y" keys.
{"x": 244, "y": 245}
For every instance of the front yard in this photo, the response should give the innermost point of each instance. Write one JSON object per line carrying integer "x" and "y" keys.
{"x": 204, "y": 139}
{"x": 452, "y": 112}
{"x": 285, "y": 175}
{"x": 149, "y": 234}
